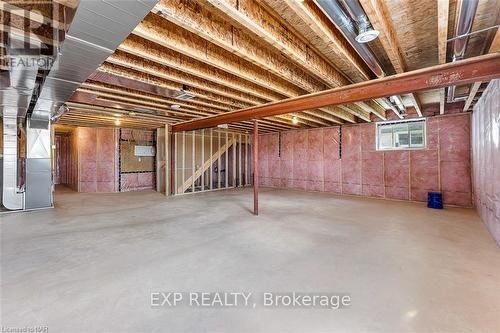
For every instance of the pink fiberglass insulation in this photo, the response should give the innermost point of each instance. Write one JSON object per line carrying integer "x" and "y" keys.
{"x": 486, "y": 157}
{"x": 96, "y": 159}
{"x": 311, "y": 160}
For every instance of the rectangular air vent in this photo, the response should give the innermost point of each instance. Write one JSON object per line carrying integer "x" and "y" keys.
{"x": 185, "y": 96}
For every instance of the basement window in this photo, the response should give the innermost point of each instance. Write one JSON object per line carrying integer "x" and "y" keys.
{"x": 400, "y": 135}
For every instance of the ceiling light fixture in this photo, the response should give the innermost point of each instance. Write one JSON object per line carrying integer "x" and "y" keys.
{"x": 295, "y": 120}
{"x": 366, "y": 34}
{"x": 117, "y": 122}
{"x": 175, "y": 106}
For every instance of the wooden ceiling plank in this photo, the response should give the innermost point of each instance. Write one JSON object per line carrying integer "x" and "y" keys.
{"x": 190, "y": 105}
{"x": 311, "y": 117}
{"x": 472, "y": 94}
{"x": 78, "y": 116}
{"x": 379, "y": 110}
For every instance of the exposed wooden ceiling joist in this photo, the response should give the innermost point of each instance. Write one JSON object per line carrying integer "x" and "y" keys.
{"x": 139, "y": 64}
{"x": 251, "y": 15}
{"x": 146, "y": 88}
{"x": 482, "y": 68}
{"x": 323, "y": 28}
{"x": 201, "y": 23}
{"x": 164, "y": 56}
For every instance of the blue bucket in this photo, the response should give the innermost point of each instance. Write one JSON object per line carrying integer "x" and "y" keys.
{"x": 435, "y": 200}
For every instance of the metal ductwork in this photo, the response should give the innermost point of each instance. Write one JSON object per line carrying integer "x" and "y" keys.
{"x": 97, "y": 29}
{"x": 334, "y": 10}
{"x": 12, "y": 198}
{"x": 366, "y": 33}
{"x": 14, "y": 102}
{"x": 355, "y": 27}
{"x": 466, "y": 14}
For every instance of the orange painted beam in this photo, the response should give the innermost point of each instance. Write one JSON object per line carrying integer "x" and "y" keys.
{"x": 482, "y": 68}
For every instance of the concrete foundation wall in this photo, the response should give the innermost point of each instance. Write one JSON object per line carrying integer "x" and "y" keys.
{"x": 486, "y": 157}
{"x": 311, "y": 160}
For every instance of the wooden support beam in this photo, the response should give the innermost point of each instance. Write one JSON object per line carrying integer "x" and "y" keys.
{"x": 495, "y": 44}
{"x": 472, "y": 94}
{"x": 173, "y": 161}
{"x": 442, "y": 21}
{"x": 256, "y": 168}
{"x": 122, "y": 81}
{"x": 482, "y": 68}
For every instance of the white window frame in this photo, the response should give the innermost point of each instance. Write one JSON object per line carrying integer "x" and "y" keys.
{"x": 393, "y": 122}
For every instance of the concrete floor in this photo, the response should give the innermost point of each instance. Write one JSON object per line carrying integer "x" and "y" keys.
{"x": 90, "y": 264}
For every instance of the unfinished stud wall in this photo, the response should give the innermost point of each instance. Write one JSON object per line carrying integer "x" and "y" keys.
{"x": 211, "y": 159}
{"x": 486, "y": 157}
{"x": 311, "y": 160}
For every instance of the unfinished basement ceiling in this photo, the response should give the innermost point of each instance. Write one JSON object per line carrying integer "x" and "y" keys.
{"x": 193, "y": 58}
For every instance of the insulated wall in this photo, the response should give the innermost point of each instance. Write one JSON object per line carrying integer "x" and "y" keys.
{"x": 486, "y": 157}
{"x": 96, "y": 159}
{"x": 136, "y": 172}
{"x": 62, "y": 158}
{"x": 345, "y": 161}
